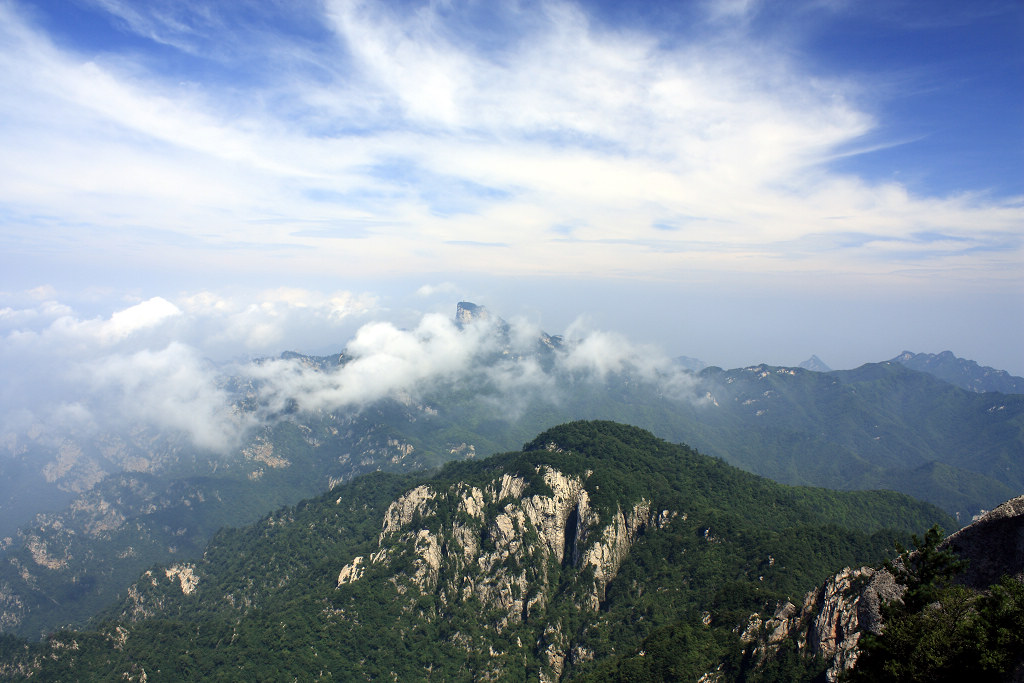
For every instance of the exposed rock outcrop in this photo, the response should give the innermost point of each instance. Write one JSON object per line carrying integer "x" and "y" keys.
{"x": 185, "y": 575}
{"x": 835, "y": 615}
{"x": 504, "y": 547}
{"x": 993, "y": 545}
{"x": 467, "y": 312}
{"x": 831, "y": 620}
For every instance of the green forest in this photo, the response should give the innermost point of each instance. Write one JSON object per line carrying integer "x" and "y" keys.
{"x": 266, "y": 604}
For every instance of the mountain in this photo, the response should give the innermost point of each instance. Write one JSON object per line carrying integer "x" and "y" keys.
{"x": 881, "y": 425}
{"x": 816, "y": 364}
{"x": 549, "y": 563}
{"x": 692, "y": 364}
{"x": 953, "y": 609}
{"x": 467, "y": 314}
{"x": 966, "y": 374}
{"x": 86, "y": 512}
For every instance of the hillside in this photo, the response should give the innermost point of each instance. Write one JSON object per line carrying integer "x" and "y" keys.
{"x": 539, "y": 563}
{"x": 950, "y": 609}
{"x": 84, "y": 513}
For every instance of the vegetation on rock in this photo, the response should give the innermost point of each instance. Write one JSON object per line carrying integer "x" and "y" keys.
{"x": 597, "y": 551}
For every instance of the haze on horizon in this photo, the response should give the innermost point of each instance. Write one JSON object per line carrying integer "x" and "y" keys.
{"x": 737, "y": 181}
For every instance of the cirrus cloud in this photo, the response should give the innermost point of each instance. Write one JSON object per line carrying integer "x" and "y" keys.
{"x": 397, "y": 140}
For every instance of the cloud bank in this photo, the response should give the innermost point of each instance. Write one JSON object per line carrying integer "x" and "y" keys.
{"x": 148, "y": 364}
{"x": 153, "y": 362}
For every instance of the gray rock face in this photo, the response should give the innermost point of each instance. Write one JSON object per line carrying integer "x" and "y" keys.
{"x": 835, "y": 615}
{"x": 993, "y": 545}
{"x": 515, "y": 540}
{"x": 831, "y": 620}
{"x": 467, "y": 312}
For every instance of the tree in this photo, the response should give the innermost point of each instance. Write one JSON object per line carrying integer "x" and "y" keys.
{"x": 941, "y": 631}
{"x": 926, "y": 571}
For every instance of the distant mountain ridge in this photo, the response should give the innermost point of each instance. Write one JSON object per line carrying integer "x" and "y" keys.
{"x": 966, "y": 374}
{"x": 877, "y": 426}
{"x": 690, "y": 363}
{"x": 123, "y": 502}
{"x": 816, "y": 364}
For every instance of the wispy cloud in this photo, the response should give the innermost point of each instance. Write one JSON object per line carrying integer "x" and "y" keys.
{"x": 555, "y": 120}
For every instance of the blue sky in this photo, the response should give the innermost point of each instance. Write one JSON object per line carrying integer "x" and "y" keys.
{"x": 739, "y": 181}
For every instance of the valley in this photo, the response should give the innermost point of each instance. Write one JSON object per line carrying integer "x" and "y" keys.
{"x": 551, "y": 539}
{"x": 534, "y": 564}
{"x": 111, "y": 505}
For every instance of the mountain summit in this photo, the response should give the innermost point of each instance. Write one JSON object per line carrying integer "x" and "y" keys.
{"x": 966, "y": 374}
{"x": 815, "y": 364}
{"x": 467, "y": 312}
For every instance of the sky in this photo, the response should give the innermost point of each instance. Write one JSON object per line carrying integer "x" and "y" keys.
{"x": 736, "y": 181}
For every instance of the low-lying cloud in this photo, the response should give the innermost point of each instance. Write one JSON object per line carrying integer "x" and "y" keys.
{"x": 501, "y": 363}
{"x": 156, "y": 363}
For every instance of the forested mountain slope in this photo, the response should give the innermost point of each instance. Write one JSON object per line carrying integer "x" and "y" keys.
{"x": 117, "y": 503}
{"x": 539, "y": 563}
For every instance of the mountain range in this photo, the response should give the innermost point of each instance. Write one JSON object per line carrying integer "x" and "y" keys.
{"x": 84, "y": 514}
{"x": 966, "y": 374}
{"x": 557, "y": 562}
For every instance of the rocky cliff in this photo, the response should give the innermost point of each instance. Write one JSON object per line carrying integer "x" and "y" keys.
{"x": 993, "y": 545}
{"x": 830, "y": 621}
{"x": 503, "y": 547}
{"x": 834, "y": 616}
{"x": 595, "y": 550}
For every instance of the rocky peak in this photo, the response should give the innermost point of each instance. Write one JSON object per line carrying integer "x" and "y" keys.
{"x": 467, "y": 312}
{"x": 505, "y": 544}
{"x": 815, "y": 364}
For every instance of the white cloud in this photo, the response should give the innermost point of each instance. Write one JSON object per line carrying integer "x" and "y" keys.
{"x": 604, "y": 353}
{"x": 147, "y": 314}
{"x": 172, "y": 389}
{"x": 384, "y": 362}
{"x": 262, "y": 323}
{"x": 150, "y": 362}
{"x": 411, "y": 146}
{"x": 730, "y": 10}
{"x": 433, "y": 290}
